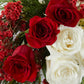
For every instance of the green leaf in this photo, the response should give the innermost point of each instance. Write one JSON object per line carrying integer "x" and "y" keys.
{"x": 27, "y": 31}
{"x": 44, "y": 70}
{"x": 82, "y": 81}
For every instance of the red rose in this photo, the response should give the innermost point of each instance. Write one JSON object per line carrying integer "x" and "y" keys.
{"x": 21, "y": 65}
{"x": 63, "y": 12}
{"x": 42, "y": 32}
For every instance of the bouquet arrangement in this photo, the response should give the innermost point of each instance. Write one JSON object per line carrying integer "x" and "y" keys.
{"x": 42, "y": 35}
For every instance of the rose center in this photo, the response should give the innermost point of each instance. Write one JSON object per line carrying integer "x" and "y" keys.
{"x": 41, "y": 30}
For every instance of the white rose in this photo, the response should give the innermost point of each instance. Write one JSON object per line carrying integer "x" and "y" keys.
{"x": 68, "y": 40}
{"x": 80, "y": 60}
{"x": 63, "y": 70}
{"x": 82, "y": 48}
{"x": 81, "y": 53}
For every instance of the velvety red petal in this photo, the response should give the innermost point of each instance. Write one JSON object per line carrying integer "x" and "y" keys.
{"x": 33, "y": 76}
{"x": 35, "y": 43}
{"x": 34, "y": 20}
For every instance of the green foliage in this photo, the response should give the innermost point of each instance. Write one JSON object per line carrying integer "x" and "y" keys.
{"x": 82, "y": 81}
{"x": 8, "y": 0}
{"x": 32, "y": 8}
{"x": 20, "y": 39}
{"x": 5, "y": 1}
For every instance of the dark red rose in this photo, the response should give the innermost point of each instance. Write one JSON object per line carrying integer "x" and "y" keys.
{"x": 42, "y": 32}
{"x": 21, "y": 65}
{"x": 62, "y": 12}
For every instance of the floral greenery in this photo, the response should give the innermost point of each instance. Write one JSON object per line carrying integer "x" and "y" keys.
{"x": 32, "y": 8}
{"x": 7, "y": 0}
{"x": 82, "y": 81}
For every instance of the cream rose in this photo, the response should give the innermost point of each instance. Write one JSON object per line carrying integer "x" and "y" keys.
{"x": 81, "y": 53}
{"x": 68, "y": 40}
{"x": 82, "y": 48}
{"x": 63, "y": 70}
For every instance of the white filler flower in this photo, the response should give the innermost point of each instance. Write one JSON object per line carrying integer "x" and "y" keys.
{"x": 63, "y": 70}
{"x": 68, "y": 40}
{"x": 41, "y": 1}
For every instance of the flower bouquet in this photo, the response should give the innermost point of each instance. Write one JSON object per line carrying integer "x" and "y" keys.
{"x": 42, "y": 36}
